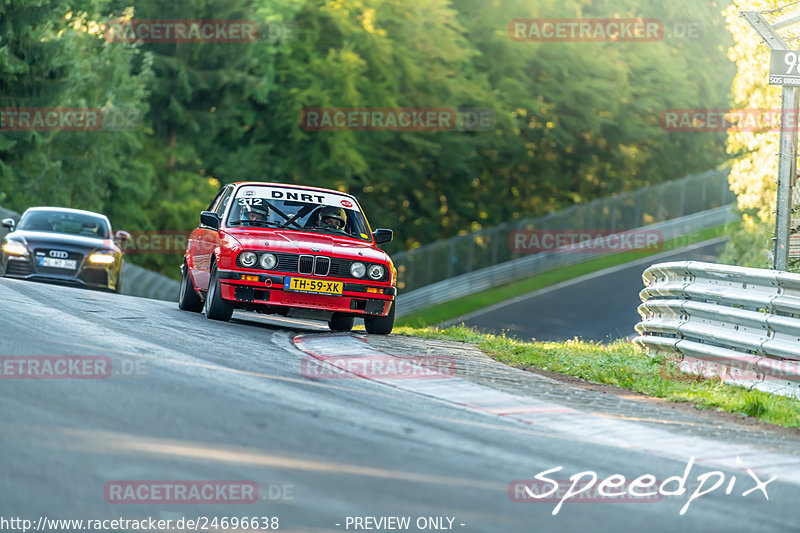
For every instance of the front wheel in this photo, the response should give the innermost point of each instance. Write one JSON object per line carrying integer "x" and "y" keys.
{"x": 188, "y": 300}
{"x": 217, "y": 308}
{"x": 380, "y": 325}
{"x": 340, "y": 322}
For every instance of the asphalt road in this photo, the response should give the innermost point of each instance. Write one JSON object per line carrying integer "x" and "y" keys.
{"x": 595, "y": 307}
{"x": 228, "y": 401}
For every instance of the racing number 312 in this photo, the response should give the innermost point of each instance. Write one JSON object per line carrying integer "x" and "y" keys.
{"x": 249, "y": 201}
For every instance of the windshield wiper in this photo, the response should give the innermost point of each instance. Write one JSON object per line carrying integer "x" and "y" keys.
{"x": 254, "y": 223}
{"x": 343, "y": 232}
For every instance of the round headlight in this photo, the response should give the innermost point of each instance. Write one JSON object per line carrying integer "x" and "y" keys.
{"x": 376, "y": 271}
{"x": 268, "y": 261}
{"x": 358, "y": 270}
{"x": 248, "y": 259}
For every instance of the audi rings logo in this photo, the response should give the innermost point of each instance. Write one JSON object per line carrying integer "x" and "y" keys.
{"x": 58, "y": 254}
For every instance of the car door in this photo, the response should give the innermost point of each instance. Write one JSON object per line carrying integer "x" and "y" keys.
{"x": 204, "y": 240}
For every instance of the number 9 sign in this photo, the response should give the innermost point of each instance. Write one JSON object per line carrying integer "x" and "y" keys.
{"x": 784, "y": 67}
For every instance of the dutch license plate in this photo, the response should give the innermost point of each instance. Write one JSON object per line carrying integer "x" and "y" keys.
{"x": 313, "y": 285}
{"x": 52, "y": 262}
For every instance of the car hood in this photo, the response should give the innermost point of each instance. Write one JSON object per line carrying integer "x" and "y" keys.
{"x": 296, "y": 242}
{"x": 46, "y": 239}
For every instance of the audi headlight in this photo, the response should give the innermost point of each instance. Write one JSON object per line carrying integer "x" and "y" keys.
{"x": 248, "y": 259}
{"x": 268, "y": 261}
{"x": 101, "y": 258}
{"x": 358, "y": 270}
{"x": 376, "y": 271}
{"x": 15, "y": 248}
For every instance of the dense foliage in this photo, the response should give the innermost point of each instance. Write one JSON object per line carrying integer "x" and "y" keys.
{"x": 573, "y": 120}
{"x": 755, "y": 165}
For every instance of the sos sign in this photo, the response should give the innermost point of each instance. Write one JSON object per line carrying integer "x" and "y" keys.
{"x": 784, "y": 67}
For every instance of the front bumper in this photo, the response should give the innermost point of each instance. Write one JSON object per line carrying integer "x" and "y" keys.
{"x": 268, "y": 290}
{"x": 94, "y": 277}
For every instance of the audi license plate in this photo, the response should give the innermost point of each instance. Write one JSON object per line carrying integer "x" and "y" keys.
{"x": 52, "y": 262}
{"x": 313, "y": 285}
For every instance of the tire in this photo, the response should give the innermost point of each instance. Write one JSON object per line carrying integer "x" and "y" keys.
{"x": 216, "y": 308}
{"x": 188, "y": 300}
{"x": 380, "y": 325}
{"x": 341, "y": 322}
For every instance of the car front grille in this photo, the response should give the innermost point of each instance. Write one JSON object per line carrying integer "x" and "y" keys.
{"x": 19, "y": 268}
{"x": 341, "y": 268}
{"x": 306, "y": 264}
{"x": 286, "y": 263}
{"x": 322, "y": 266}
{"x": 95, "y": 276}
{"x": 74, "y": 256}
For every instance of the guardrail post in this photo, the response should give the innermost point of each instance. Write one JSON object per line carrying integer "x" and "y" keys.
{"x": 451, "y": 257}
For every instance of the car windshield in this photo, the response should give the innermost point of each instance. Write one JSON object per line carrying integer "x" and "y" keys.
{"x": 298, "y": 209}
{"x": 65, "y": 222}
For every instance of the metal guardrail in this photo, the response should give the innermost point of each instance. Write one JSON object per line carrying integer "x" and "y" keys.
{"x": 510, "y": 271}
{"x": 739, "y": 324}
{"x": 136, "y": 281}
{"x": 456, "y": 256}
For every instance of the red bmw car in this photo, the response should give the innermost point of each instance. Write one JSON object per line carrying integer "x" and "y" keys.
{"x": 295, "y": 251}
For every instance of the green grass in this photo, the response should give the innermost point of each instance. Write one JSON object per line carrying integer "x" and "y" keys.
{"x": 456, "y": 308}
{"x": 623, "y": 364}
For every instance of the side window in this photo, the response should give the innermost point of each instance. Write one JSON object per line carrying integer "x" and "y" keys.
{"x": 223, "y": 202}
{"x": 215, "y": 201}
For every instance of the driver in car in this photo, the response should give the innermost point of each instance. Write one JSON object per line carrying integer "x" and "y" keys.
{"x": 255, "y": 214}
{"x": 332, "y": 218}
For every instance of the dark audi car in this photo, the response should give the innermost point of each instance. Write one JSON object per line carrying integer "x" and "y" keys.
{"x": 63, "y": 246}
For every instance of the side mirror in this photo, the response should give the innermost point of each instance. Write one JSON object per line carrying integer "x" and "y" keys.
{"x": 210, "y": 219}
{"x": 9, "y": 223}
{"x": 382, "y": 236}
{"x": 122, "y": 236}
